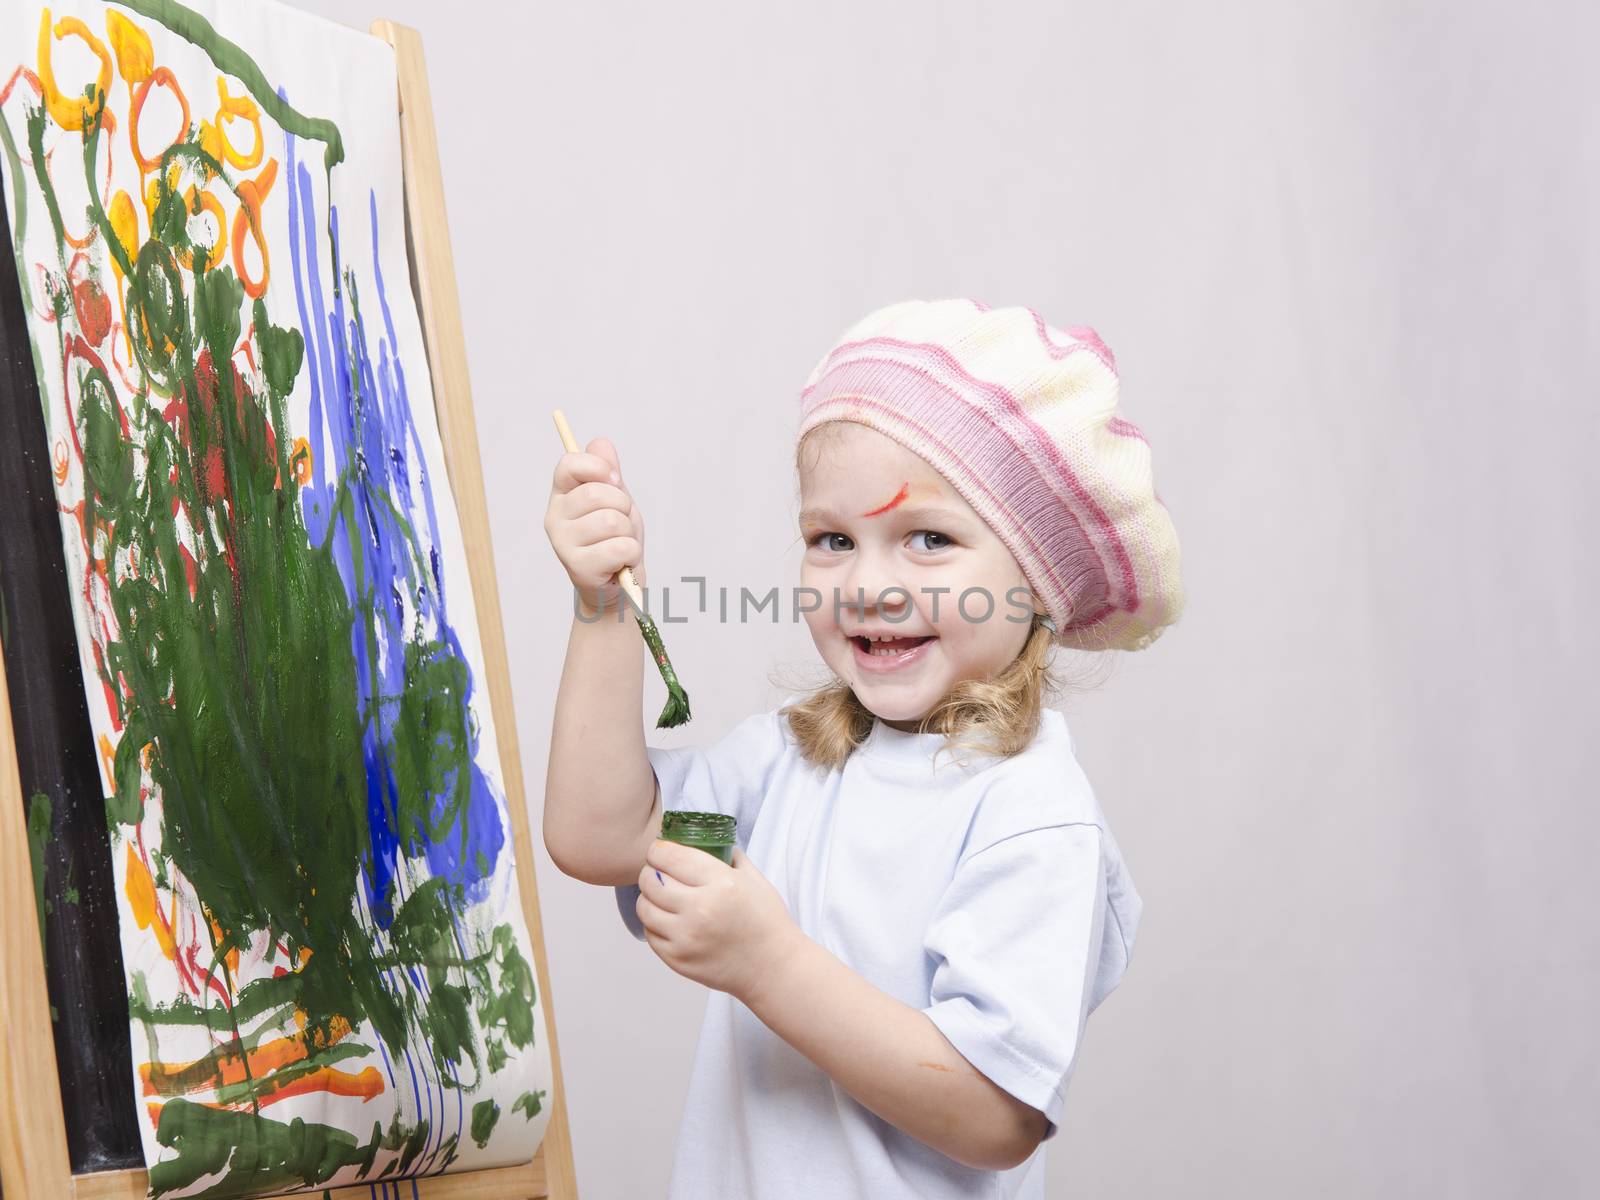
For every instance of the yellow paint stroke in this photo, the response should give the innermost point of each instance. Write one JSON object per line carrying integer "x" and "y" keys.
{"x": 300, "y": 461}
{"x": 71, "y": 112}
{"x": 135, "y": 58}
{"x": 196, "y": 203}
{"x": 211, "y": 140}
{"x": 152, "y": 191}
{"x": 243, "y": 108}
{"x": 233, "y": 954}
{"x": 108, "y": 756}
{"x": 124, "y": 218}
{"x": 141, "y": 891}
{"x": 125, "y": 224}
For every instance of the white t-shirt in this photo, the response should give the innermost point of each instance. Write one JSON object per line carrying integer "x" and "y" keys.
{"x": 991, "y": 896}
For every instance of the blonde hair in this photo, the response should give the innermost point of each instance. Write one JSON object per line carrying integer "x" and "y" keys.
{"x": 998, "y": 716}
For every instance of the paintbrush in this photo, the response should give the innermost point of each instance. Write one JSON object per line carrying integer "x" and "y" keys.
{"x": 677, "y": 710}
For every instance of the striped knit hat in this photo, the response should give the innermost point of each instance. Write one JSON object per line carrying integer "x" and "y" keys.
{"x": 1021, "y": 418}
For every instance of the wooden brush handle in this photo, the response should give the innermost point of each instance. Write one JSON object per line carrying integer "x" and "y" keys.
{"x": 624, "y": 578}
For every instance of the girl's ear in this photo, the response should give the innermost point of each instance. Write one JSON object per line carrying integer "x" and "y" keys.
{"x": 1041, "y": 616}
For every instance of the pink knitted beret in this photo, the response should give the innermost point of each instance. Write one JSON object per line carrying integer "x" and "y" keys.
{"x": 1021, "y": 418}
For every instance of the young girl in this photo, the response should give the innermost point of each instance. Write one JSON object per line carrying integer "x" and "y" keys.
{"x": 926, "y": 902}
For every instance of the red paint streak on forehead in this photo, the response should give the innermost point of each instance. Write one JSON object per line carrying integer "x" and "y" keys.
{"x": 905, "y": 489}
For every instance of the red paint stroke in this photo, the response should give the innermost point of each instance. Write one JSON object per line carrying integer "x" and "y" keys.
{"x": 899, "y": 496}
{"x": 27, "y": 76}
{"x": 185, "y": 979}
{"x": 95, "y": 569}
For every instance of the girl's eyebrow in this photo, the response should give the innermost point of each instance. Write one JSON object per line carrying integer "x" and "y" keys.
{"x": 927, "y": 512}
{"x": 933, "y": 514}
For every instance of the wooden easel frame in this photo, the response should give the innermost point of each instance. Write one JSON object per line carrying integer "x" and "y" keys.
{"x": 33, "y": 1139}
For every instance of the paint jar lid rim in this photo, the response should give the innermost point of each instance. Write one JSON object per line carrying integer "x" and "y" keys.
{"x": 702, "y": 826}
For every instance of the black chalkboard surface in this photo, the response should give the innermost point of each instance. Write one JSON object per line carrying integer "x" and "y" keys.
{"x": 66, "y": 816}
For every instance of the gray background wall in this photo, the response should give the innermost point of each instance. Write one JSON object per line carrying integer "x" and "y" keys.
{"x": 1345, "y": 253}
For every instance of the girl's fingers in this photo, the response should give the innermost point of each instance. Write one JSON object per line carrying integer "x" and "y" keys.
{"x": 602, "y": 448}
{"x": 577, "y": 467}
{"x": 587, "y": 497}
{"x": 686, "y": 865}
{"x": 653, "y": 917}
{"x": 660, "y": 889}
{"x": 600, "y": 525}
{"x": 605, "y": 559}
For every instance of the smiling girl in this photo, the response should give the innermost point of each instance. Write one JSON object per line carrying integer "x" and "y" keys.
{"x": 926, "y": 902}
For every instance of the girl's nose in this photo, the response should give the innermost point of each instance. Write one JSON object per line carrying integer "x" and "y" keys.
{"x": 872, "y": 583}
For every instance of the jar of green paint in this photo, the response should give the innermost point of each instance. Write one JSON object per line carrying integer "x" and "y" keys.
{"x": 709, "y": 831}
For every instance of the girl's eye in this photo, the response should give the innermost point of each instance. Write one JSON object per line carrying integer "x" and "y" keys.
{"x": 824, "y": 539}
{"x": 939, "y": 544}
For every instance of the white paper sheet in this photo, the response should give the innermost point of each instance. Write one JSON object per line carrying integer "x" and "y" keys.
{"x": 330, "y": 978}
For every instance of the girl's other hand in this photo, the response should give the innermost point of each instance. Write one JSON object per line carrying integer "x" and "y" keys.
{"x": 725, "y": 927}
{"x": 593, "y": 525}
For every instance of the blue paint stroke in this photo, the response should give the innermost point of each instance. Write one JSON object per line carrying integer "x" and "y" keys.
{"x": 365, "y": 440}
{"x": 370, "y": 501}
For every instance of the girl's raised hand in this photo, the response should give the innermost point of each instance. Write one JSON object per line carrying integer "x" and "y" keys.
{"x": 726, "y": 927}
{"x": 593, "y": 524}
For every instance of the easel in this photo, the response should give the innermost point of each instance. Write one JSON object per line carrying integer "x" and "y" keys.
{"x": 34, "y": 1163}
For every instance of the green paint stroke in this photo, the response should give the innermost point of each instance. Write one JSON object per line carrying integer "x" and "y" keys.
{"x": 258, "y": 1154}
{"x": 230, "y": 59}
{"x": 39, "y": 832}
{"x": 529, "y": 1104}
{"x": 232, "y": 674}
{"x": 484, "y": 1116}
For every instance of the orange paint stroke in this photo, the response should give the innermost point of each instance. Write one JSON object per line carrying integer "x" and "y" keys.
{"x": 27, "y": 77}
{"x": 367, "y": 1083}
{"x": 227, "y": 1068}
{"x": 905, "y": 490}
{"x": 90, "y": 231}
{"x": 163, "y": 77}
{"x": 252, "y": 195}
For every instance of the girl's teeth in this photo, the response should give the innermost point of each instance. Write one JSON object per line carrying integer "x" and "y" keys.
{"x": 900, "y": 646}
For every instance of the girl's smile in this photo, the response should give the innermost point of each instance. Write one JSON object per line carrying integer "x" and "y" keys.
{"x": 884, "y": 653}
{"x": 916, "y": 592}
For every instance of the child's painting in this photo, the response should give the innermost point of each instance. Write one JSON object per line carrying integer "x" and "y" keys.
{"x": 329, "y": 978}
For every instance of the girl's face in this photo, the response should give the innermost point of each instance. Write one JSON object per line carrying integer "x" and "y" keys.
{"x": 874, "y": 518}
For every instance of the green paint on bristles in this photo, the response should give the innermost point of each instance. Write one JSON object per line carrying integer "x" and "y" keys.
{"x": 677, "y": 710}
